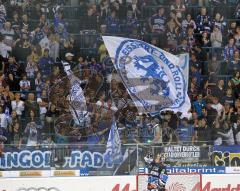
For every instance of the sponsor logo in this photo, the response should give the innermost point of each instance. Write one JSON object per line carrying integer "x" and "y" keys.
{"x": 38, "y": 189}
{"x": 209, "y": 187}
{"x": 202, "y": 170}
{"x": 30, "y": 173}
{"x": 177, "y": 186}
{"x": 64, "y": 173}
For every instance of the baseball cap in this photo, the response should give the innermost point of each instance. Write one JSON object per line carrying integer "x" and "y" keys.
{"x": 69, "y": 54}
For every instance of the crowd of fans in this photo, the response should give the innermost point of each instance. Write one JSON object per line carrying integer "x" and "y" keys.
{"x": 36, "y": 35}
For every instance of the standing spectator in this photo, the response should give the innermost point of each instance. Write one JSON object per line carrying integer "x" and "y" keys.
{"x": 31, "y": 104}
{"x": 157, "y": 132}
{"x": 234, "y": 65}
{"x": 229, "y": 98}
{"x": 8, "y": 34}
{"x": 4, "y": 49}
{"x": 22, "y": 48}
{"x": 203, "y": 21}
{"x": 218, "y": 91}
{"x": 188, "y": 22}
{"x": 203, "y": 133}
{"x": 3, "y": 119}
{"x": 185, "y": 132}
{"x": 199, "y": 104}
{"x": 45, "y": 42}
{"x": 216, "y": 37}
{"x": 18, "y": 105}
{"x": 90, "y": 21}
{"x": 31, "y": 68}
{"x": 43, "y": 105}
{"x": 237, "y": 131}
{"x": 219, "y": 22}
{"x": 3, "y": 14}
{"x": 113, "y": 23}
{"x": 229, "y": 49}
{"x": 179, "y": 7}
{"x": 46, "y": 63}
{"x": 12, "y": 67}
{"x": 227, "y": 134}
{"x": 237, "y": 37}
{"x": 217, "y": 106}
{"x": 157, "y": 22}
{"x": 54, "y": 47}
{"x": 32, "y": 134}
{"x": 25, "y": 86}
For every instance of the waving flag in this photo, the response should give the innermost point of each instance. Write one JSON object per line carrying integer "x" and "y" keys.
{"x": 113, "y": 154}
{"x": 155, "y": 79}
{"x": 77, "y": 101}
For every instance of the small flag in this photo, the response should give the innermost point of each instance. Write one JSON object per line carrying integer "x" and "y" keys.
{"x": 113, "y": 154}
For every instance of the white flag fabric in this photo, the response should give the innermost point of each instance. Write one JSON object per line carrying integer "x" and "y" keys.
{"x": 155, "y": 79}
{"x": 113, "y": 154}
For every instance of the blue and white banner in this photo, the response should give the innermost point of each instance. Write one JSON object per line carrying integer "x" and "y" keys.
{"x": 155, "y": 79}
{"x": 113, "y": 154}
{"x": 226, "y": 155}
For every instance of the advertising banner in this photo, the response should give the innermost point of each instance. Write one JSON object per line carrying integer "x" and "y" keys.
{"x": 98, "y": 183}
{"x": 226, "y": 155}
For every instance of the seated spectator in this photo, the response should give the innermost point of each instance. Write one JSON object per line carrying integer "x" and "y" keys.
{"x": 18, "y": 105}
{"x": 31, "y": 68}
{"x": 190, "y": 37}
{"x": 185, "y": 132}
{"x": 45, "y": 43}
{"x": 36, "y": 53}
{"x": 12, "y": 67}
{"x": 13, "y": 83}
{"x": 46, "y": 63}
{"x": 25, "y": 86}
{"x": 205, "y": 39}
{"x": 3, "y": 14}
{"x": 8, "y": 34}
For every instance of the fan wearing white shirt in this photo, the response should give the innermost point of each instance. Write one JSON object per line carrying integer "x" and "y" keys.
{"x": 24, "y": 86}
{"x": 217, "y": 105}
{"x": 3, "y": 119}
{"x": 4, "y": 49}
{"x": 43, "y": 104}
{"x": 18, "y": 104}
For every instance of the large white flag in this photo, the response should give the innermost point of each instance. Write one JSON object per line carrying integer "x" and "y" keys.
{"x": 155, "y": 79}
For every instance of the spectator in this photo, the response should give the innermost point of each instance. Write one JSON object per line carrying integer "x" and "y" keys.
{"x": 219, "y": 22}
{"x": 4, "y": 49}
{"x": 32, "y": 134}
{"x": 22, "y": 48}
{"x": 158, "y": 21}
{"x": 229, "y": 98}
{"x": 31, "y": 105}
{"x": 227, "y": 134}
{"x": 43, "y": 105}
{"x": 8, "y": 34}
{"x": 31, "y": 68}
{"x": 229, "y": 50}
{"x": 236, "y": 78}
{"x": 203, "y": 133}
{"x": 199, "y": 104}
{"x": 18, "y": 105}
{"x": 234, "y": 64}
{"x": 185, "y": 132}
{"x": 167, "y": 133}
{"x": 188, "y": 22}
{"x": 203, "y": 21}
{"x": 218, "y": 91}
{"x": 217, "y": 106}
{"x": 3, "y": 119}
{"x": 216, "y": 37}
{"x": 3, "y": 14}
{"x": 113, "y": 24}
{"x": 25, "y": 86}
{"x": 237, "y": 37}
{"x": 45, "y": 63}
{"x": 179, "y": 7}
{"x": 54, "y": 47}
{"x": 90, "y": 21}
{"x": 12, "y": 67}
